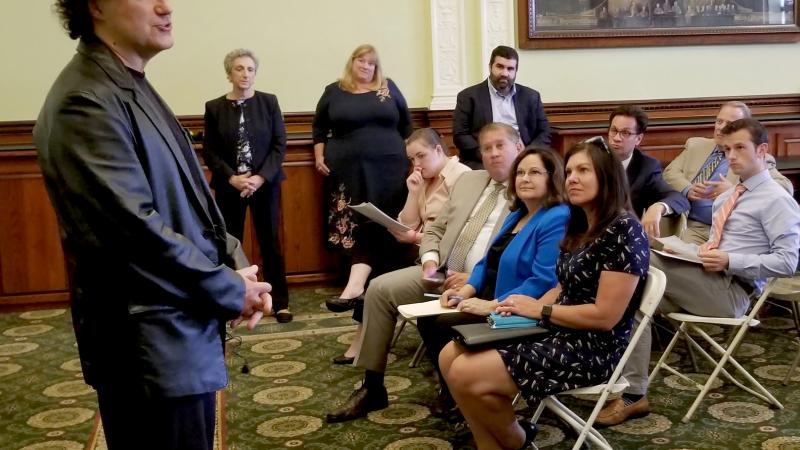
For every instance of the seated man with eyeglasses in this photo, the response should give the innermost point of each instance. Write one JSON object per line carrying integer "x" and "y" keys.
{"x": 651, "y": 196}
{"x": 754, "y": 235}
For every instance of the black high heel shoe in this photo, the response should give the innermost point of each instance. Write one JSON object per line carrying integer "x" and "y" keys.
{"x": 343, "y": 360}
{"x": 531, "y": 430}
{"x": 336, "y": 304}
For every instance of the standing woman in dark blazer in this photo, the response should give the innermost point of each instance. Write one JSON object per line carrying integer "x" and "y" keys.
{"x": 244, "y": 145}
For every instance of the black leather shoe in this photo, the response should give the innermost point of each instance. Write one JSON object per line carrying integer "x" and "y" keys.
{"x": 336, "y": 304}
{"x": 284, "y": 316}
{"x": 531, "y": 430}
{"x": 342, "y": 360}
{"x": 361, "y": 402}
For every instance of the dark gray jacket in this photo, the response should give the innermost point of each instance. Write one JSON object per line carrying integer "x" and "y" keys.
{"x": 149, "y": 261}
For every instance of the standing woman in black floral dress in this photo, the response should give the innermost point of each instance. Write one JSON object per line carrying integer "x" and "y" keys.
{"x": 244, "y": 144}
{"x": 359, "y": 130}
{"x": 601, "y": 274}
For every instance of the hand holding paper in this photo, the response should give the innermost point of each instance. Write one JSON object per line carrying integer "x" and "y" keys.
{"x": 376, "y": 215}
{"x": 675, "y": 248}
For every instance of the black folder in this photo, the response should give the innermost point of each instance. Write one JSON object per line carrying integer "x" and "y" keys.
{"x": 478, "y": 334}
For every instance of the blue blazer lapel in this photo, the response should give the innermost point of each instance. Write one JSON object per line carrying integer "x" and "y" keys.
{"x": 634, "y": 169}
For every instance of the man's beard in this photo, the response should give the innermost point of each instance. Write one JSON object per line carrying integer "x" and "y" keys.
{"x": 502, "y": 83}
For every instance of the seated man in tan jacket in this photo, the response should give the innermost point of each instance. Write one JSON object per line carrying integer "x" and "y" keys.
{"x": 701, "y": 173}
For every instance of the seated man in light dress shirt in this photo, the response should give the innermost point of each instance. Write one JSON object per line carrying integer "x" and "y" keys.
{"x": 759, "y": 239}
{"x": 701, "y": 173}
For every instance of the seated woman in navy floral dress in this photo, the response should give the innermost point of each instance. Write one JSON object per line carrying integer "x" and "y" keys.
{"x": 601, "y": 275}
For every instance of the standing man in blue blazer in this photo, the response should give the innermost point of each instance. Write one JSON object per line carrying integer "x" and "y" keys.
{"x": 498, "y": 99}
{"x": 153, "y": 273}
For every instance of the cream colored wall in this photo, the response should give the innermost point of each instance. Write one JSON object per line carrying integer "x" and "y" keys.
{"x": 303, "y": 45}
{"x": 662, "y": 72}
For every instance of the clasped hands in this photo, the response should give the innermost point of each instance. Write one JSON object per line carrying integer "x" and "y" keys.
{"x": 453, "y": 280}
{"x": 246, "y": 183}
{"x": 708, "y": 189}
{"x": 257, "y": 301}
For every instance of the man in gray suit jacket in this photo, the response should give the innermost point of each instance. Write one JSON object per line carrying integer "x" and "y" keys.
{"x": 684, "y": 173}
{"x": 151, "y": 268}
{"x": 500, "y": 144}
{"x": 498, "y": 99}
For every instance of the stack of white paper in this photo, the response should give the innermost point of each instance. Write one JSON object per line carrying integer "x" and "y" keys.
{"x": 423, "y": 309}
{"x": 682, "y": 250}
{"x": 376, "y": 215}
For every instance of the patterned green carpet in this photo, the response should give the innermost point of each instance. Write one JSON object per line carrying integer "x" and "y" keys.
{"x": 282, "y": 401}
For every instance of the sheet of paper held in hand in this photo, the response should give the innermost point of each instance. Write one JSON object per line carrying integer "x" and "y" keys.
{"x": 376, "y": 215}
{"x": 422, "y": 309}
{"x": 683, "y": 250}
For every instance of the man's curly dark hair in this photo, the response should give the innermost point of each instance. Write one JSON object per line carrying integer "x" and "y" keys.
{"x": 75, "y": 18}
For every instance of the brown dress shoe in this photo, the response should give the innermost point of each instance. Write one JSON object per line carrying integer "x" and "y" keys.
{"x": 361, "y": 402}
{"x": 616, "y": 412}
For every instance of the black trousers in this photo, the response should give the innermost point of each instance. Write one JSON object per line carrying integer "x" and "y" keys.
{"x": 265, "y": 207}
{"x": 134, "y": 421}
{"x": 437, "y": 331}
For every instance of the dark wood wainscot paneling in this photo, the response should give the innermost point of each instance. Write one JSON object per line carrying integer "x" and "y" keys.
{"x": 31, "y": 261}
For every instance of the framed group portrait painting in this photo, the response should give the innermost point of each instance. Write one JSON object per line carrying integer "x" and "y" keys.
{"x": 632, "y": 23}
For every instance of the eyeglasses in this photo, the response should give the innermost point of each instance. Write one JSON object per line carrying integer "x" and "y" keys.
{"x": 533, "y": 173}
{"x": 600, "y": 142}
{"x": 625, "y": 134}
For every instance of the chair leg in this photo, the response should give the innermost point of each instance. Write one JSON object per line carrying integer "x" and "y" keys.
{"x": 719, "y": 368}
{"x": 791, "y": 368}
{"x": 397, "y": 333}
{"x": 796, "y": 315}
{"x": 663, "y": 360}
{"x": 796, "y": 318}
{"x": 417, "y": 355}
{"x": 537, "y": 412}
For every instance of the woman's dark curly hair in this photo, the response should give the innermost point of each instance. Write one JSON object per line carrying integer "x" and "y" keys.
{"x": 75, "y": 18}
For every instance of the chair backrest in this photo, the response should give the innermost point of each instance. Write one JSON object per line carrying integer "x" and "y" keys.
{"x": 653, "y": 290}
{"x": 759, "y": 301}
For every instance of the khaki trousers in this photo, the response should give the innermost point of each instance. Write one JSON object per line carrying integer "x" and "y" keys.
{"x": 384, "y": 295}
{"x": 692, "y": 289}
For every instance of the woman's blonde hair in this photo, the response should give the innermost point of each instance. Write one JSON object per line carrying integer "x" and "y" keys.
{"x": 348, "y": 82}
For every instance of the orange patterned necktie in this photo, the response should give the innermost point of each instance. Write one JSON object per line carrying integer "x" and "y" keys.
{"x": 720, "y": 217}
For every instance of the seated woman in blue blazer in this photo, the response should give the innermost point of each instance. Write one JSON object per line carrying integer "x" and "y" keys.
{"x": 521, "y": 260}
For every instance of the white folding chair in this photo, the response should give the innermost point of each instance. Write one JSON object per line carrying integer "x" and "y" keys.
{"x": 788, "y": 290}
{"x": 690, "y": 323}
{"x": 653, "y": 290}
{"x": 408, "y": 318}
